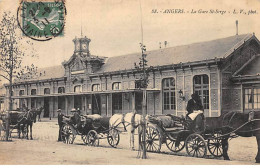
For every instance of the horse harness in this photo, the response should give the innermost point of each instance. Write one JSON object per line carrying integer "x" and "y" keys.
{"x": 132, "y": 123}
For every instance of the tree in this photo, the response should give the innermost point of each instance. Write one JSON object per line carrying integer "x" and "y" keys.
{"x": 13, "y": 49}
{"x": 142, "y": 83}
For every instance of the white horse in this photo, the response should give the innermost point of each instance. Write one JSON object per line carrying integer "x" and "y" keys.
{"x": 126, "y": 122}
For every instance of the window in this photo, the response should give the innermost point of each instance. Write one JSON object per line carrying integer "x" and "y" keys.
{"x": 96, "y": 87}
{"x": 78, "y": 88}
{"x": 252, "y": 98}
{"x": 61, "y": 90}
{"x": 47, "y": 91}
{"x": 169, "y": 100}
{"x": 116, "y": 86}
{"x": 201, "y": 87}
{"x": 33, "y": 92}
{"x": 21, "y": 92}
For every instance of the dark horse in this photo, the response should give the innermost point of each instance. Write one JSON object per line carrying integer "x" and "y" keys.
{"x": 25, "y": 120}
{"x": 38, "y": 112}
{"x": 234, "y": 123}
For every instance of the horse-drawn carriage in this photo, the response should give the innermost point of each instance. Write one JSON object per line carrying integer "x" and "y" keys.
{"x": 199, "y": 135}
{"x": 12, "y": 116}
{"x": 91, "y": 128}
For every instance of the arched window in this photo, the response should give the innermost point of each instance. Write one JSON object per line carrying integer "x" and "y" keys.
{"x": 78, "y": 88}
{"x": 201, "y": 87}
{"x": 96, "y": 87}
{"x": 21, "y": 92}
{"x": 33, "y": 92}
{"x": 47, "y": 91}
{"x": 116, "y": 86}
{"x": 61, "y": 90}
{"x": 169, "y": 99}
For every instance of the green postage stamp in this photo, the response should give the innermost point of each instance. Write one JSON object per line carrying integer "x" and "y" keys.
{"x": 42, "y": 20}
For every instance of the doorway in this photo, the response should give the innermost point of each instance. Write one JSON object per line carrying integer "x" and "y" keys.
{"x": 116, "y": 103}
{"x": 138, "y": 102}
{"x": 78, "y": 102}
{"x": 96, "y": 103}
{"x": 46, "y": 107}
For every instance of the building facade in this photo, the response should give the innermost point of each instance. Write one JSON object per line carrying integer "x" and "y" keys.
{"x": 224, "y": 72}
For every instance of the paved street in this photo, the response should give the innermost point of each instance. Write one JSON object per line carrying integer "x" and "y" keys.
{"x": 45, "y": 149}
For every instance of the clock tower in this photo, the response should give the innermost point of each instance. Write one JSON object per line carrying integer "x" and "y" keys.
{"x": 82, "y": 45}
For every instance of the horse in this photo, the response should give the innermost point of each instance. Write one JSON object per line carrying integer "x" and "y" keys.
{"x": 25, "y": 120}
{"x": 126, "y": 122}
{"x": 38, "y": 112}
{"x": 235, "y": 123}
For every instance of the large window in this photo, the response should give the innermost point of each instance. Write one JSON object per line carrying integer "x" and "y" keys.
{"x": 78, "y": 88}
{"x": 252, "y": 98}
{"x": 47, "y": 91}
{"x": 201, "y": 87}
{"x": 96, "y": 87}
{"x": 116, "y": 86}
{"x": 21, "y": 92}
{"x": 61, "y": 90}
{"x": 169, "y": 100}
{"x": 33, "y": 92}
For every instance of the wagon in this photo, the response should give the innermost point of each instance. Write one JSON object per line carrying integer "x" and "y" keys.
{"x": 13, "y": 124}
{"x": 91, "y": 131}
{"x": 179, "y": 133}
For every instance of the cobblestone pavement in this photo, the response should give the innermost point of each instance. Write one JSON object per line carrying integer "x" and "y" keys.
{"x": 45, "y": 149}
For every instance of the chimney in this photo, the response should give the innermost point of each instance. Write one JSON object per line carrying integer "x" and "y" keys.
{"x": 236, "y": 27}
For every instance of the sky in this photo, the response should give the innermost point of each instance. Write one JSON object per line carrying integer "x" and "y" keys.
{"x": 114, "y": 26}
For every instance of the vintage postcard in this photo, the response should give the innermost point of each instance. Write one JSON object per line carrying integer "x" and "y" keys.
{"x": 129, "y": 82}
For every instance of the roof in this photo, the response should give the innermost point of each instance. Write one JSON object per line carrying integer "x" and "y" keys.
{"x": 173, "y": 55}
{"x": 47, "y": 73}
{"x": 252, "y": 68}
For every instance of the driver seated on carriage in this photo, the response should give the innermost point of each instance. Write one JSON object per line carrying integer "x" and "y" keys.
{"x": 76, "y": 119}
{"x": 194, "y": 108}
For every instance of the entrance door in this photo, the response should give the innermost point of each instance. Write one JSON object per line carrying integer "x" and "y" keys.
{"x": 138, "y": 102}
{"x": 33, "y": 103}
{"x": 116, "y": 103}
{"x": 46, "y": 107}
{"x": 96, "y": 103}
{"x": 61, "y": 102}
{"x": 78, "y": 102}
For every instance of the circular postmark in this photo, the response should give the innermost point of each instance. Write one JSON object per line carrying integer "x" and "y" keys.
{"x": 42, "y": 20}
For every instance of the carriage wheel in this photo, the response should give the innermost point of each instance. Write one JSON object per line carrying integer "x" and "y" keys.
{"x": 196, "y": 146}
{"x": 92, "y": 138}
{"x": 84, "y": 139}
{"x": 215, "y": 147}
{"x": 172, "y": 146}
{"x": 113, "y": 138}
{"x": 153, "y": 139}
{"x": 67, "y": 134}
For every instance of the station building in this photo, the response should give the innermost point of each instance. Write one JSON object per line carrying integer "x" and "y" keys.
{"x": 224, "y": 72}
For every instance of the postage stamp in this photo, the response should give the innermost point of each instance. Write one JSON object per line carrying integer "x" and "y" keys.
{"x": 42, "y": 20}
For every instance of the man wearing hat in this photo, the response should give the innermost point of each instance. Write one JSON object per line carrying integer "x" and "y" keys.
{"x": 194, "y": 104}
{"x": 76, "y": 117}
{"x": 60, "y": 119}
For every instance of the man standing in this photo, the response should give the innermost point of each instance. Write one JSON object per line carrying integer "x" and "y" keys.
{"x": 60, "y": 119}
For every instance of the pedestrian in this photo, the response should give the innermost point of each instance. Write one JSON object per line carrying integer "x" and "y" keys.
{"x": 60, "y": 119}
{"x": 194, "y": 104}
